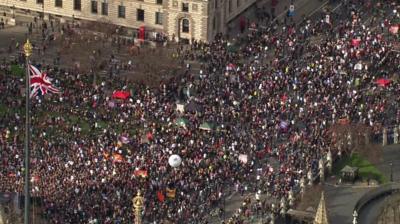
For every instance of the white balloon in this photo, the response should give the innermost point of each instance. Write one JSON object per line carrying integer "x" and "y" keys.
{"x": 174, "y": 160}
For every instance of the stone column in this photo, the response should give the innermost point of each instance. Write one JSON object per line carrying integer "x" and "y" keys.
{"x": 340, "y": 150}
{"x": 329, "y": 160}
{"x": 395, "y": 135}
{"x": 283, "y": 206}
{"x": 291, "y": 198}
{"x": 349, "y": 141}
{"x": 302, "y": 185}
{"x": 309, "y": 177}
{"x": 384, "y": 140}
{"x": 321, "y": 170}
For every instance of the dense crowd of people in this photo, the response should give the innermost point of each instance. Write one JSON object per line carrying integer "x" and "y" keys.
{"x": 273, "y": 98}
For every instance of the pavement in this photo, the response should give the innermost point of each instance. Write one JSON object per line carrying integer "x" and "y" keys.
{"x": 302, "y": 7}
{"x": 17, "y": 32}
{"x": 341, "y": 202}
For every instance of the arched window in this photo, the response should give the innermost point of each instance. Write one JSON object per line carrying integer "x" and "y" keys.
{"x": 185, "y": 26}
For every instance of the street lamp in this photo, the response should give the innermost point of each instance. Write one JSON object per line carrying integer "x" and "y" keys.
{"x": 391, "y": 172}
{"x": 28, "y": 52}
{"x": 138, "y": 202}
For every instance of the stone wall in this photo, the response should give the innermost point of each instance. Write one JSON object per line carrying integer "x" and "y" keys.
{"x": 224, "y": 11}
{"x": 197, "y": 15}
{"x": 390, "y": 213}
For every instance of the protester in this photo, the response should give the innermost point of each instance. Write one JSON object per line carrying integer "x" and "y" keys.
{"x": 273, "y": 102}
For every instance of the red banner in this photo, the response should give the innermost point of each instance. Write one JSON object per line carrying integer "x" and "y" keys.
{"x": 121, "y": 95}
{"x": 160, "y": 196}
{"x": 383, "y": 82}
{"x": 355, "y": 42}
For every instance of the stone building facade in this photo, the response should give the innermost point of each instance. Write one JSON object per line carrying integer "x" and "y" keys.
{"x": 181, "y": 19}
{"x": 390, "y": 211}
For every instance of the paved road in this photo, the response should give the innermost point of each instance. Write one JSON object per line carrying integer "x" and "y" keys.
{"x": 369, "y": 213}
{"x": 341, "y": 202}
{"x": 17, "y": 32}
{"x": 302, "y": 7}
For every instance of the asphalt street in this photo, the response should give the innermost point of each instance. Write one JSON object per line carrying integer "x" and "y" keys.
{"x": 302, "y": 7}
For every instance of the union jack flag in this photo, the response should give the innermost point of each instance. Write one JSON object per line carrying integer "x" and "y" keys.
{"x": 40, "y": 83}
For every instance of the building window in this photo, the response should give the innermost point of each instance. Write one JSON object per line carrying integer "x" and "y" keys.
{"x": 238, "y": 3}
{"x": 104, "y": 8}
{"x": 121, "y": 11}
{"x": 216, "y": 4}
{"x": 140, "y": 15}
{"x": 94, "y": 7}
{"x": 185, "y": 26}
{"x": 185, "y": 7}
{"x": 159, "y": 2}
{"x": 159, "y": 18}
{"x": 230, "y": 6}
{"x": 58, "y": 3}
{"x": 77, "y": 5}
{"x": 39, "y": 1}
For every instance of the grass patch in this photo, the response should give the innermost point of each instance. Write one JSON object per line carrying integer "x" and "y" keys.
{"x": 366, "y": 169}
{"x": 83, "y": 124}
{"x": 17, "y": 71}
{"x": 102, "y": 124}
{"x": 10, "y": 111}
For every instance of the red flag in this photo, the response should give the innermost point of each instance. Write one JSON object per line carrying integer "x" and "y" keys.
{"x": 40, "y": 83}
{"x": 35, "y": 179}
{"x": 150, "y": 136}
{"x": 12, "y": 175}
{"x": 355, "y": 42}
{"x": 141, "y": 173}
{"x": 394, "y": 29}
{"x": 160, "y": 196}
{"x": 121, "y": 95}
{"x": 117, "y": 158}
{"x": 284, "y": 98}
{"x": 383, "y": 82}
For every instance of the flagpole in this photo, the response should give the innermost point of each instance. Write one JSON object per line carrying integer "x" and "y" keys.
{"x": 28, "y": 52}
{"x": 137, "y": 204}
